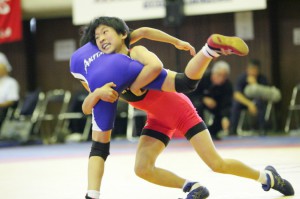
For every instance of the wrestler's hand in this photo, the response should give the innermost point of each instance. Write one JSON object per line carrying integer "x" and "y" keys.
{"x": 107, "y": 93}
{"x": 183, "y": 45}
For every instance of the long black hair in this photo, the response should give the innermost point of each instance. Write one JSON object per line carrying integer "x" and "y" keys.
{"x": 88, "y": 32}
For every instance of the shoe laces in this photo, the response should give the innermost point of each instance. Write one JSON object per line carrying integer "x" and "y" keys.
{"x": 197, "y": 194}
{"x": 279, "y": 181}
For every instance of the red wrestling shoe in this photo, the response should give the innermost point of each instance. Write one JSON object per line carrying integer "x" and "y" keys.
{"x": 225, "y": 45}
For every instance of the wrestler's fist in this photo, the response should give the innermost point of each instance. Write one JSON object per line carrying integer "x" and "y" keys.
{"x": 107, "y": 93}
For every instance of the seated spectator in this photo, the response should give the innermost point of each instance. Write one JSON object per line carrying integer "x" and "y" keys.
{"x": 214, "y": 94}
{"x": 9, "y": 87}
{"x": 250, "y": 90}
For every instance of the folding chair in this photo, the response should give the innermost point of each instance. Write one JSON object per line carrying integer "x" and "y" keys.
{"x": 56, "y": 102}
{"x": 19, "y": 123}
{"x": 74, "y": 114}
{"x": 268, "y": 117}
{"x": 6, "y": 114}
{"x": 293, "y": 109}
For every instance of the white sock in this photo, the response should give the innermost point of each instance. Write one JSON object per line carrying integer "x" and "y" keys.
{"x": 271, "y": 177}
{"x": 93, "y": 194}
{"x": 196, "y": 185}
{"x": 209, "y": 52}
{"x": 262, "y": 177}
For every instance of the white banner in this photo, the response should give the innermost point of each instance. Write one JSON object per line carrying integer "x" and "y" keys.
{"x": 244, "y": 25}
{"x": 131, "y": 10}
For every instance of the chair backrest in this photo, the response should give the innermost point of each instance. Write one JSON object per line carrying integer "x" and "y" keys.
{"x": 19, "y": 126}
{"x": 296, "y": 90}
{"x": 76, "y": 101}
{"x": 8, "y": 112}
{"x": 29, "y": 103}
{"x": 30, "y": 106}
{"x": 56, "y": 102}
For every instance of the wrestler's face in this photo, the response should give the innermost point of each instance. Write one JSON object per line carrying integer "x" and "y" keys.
{"x": 108, "y": 40}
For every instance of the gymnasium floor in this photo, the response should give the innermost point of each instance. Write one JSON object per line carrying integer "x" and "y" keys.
{"x": 59, "y": 171}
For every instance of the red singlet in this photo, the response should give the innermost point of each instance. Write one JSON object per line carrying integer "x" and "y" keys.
{"x": 167, "y": 112}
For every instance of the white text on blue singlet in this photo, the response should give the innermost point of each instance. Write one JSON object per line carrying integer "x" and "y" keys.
{"x": 87, "y": 62}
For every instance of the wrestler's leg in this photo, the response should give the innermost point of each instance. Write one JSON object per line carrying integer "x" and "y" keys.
{"x": 216, "y": 45}
{"x": 205, "y": 148}
{"x": 269, "y": 177}
{"x": 148, "y": 150}
{"x": 96, "y": 164}
{"x": 194, "y": 70}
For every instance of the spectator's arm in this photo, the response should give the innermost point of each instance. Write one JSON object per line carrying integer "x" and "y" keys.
{"x": 241, "y": 98}
{"x": 239, "y": 90}
{"x": 245, "y": 101}
{"x": 7, "y": 104}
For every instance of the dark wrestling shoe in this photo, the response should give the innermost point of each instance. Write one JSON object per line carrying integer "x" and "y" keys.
{"x": 87, "y": 197}
{"x": 196, "y": 191}
{"x": 280, "y": 184}
{"x": 227, "y": 45}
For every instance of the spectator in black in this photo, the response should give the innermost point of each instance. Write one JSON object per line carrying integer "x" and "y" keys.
{"x": 257, "y": 106}
{"x": 214, "y": 94}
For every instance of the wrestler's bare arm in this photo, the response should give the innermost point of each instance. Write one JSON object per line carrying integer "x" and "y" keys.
{"x": 105, "y": 93}
{"x": 158, "y": 35}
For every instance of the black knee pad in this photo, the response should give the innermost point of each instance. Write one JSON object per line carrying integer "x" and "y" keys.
{"x": 100, "y": 149}
{"x": 183, "y": 84}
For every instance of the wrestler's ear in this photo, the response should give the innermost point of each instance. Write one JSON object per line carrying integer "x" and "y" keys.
{"x": 124, "y": 35}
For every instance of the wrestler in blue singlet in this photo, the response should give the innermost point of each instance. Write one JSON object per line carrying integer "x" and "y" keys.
{"x": 95, "y": 68}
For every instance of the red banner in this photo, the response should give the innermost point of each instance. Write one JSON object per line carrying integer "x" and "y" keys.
{"x": 10, "y": 21}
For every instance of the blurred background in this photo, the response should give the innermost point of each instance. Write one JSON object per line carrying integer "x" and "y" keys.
{"x": 49, "y": 33}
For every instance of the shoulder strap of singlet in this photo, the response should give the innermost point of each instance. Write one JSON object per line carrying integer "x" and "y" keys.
{"x": 128, "y": 54}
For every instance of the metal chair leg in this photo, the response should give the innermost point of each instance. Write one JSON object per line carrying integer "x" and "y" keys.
{"x": 87, "y": 128}
{"x": 288, "y": 122}
{"x": 130, "y": 122}
{"x": 239, "y": 128}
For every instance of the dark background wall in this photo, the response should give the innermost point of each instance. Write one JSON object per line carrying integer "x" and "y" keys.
{"x": 34, "y": 65}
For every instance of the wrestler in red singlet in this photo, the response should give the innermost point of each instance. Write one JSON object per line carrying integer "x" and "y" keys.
{"x": 167, "y": 112}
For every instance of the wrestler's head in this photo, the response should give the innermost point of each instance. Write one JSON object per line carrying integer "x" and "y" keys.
{"x": 85, "y": 36}
{"x": 110, "y": 34}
